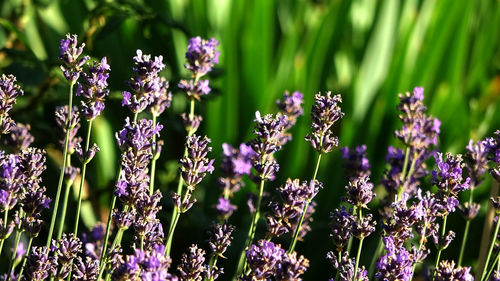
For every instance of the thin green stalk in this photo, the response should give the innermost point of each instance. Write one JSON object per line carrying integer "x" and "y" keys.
{"x": 466, "y": 231}
{"x": 14, "y": 253}
{"x": 349, "y": 243}
{"x": 378, "y": 251}
{"x": 173, "y": 225}
{"x": 251, "y": 232}
{"x": 304, "y": 210}
{"x": 492, "y": 267}
{"x": 82, "y": 180}
{"x": 5, "y": 218}
{"x": 62, "y": 218}
{"x": 153, "y": 161}
{"x": 211, "y": 264}
{"x": 108, "y": 227}
{"x": 63, "y": 168}
{"x": 491, "y": 249}
{"x": 358, "y": 255}
{"x": 30, "y": 241}
{"x": 338, "y": 269}
{"x": 438, "y": 257}
{"x": 405, "y": 168}
{"x": 116, "y": 241}
{"x": 421, "y": 244}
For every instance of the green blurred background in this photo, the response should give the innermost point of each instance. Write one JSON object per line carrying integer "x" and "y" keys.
{"x": 366, "y": 50}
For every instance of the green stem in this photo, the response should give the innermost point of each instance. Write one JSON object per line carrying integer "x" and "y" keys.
{"x": 466, "y": 231}
{"x": 62, "y": 218}
{"x": 5, "y": 218}
{"x": 153, "y": 161}
{"x": 82, "y": 180}
{"x": 304, "y": 210}
{"x": 490, "y": 250}
{"x": 438, "y": 257}
{"x": 492, "y": 267}
{"x": 24, "y": 259}
{"x": 116, "y": 241}
{"x": 14, "y": 253}
{"x": 349, "y": 243}
{"x": 378, "y": 251}
{"x": 359, "y": 247}
{"x": 251, "y": 232}
{"x": 173, "y": 225}
{"x": 339, "y": 262}
{"x": 63, "y": 168}
{"x": 108, "y": 227}
{"x": 212, "y": 263}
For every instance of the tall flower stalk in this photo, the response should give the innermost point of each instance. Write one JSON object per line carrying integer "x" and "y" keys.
{"x": 201, "y": 56}
{"x": 94, "y": 90}
{"x": 325, "y": 112}
{"x": 70, "y": 56}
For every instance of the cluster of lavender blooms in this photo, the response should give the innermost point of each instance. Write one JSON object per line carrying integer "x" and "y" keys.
{"x": 410, "y": 216}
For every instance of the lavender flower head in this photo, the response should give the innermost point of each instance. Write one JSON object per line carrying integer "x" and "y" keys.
{"x": 72, "y": 125}
{"x": 64, "y": 250}
{"x": 161, "y": 99}
{"x": 356, "y": 164}
{"x": 12, "y": 179}
{"x": 85, "y": 269}
{"x": 345, "y": 267}
{"x": 325, "y": 112}
{"x": 476, "y": 161}
{"x": 70, "y": 56}
{"x": 192, "y": 266}
{"x": 493, "y": 146}
{"x": 448, "y": 178}
{"x": 9, "y": 91}
{"x": 224, "y": 207}
{"x": 396, "y": 264}
{"x": 269, "y": 131}
{"x": 201, "y": 55}
{"x": 196, "y": 164}
{"x": 263, "y": 258}
{"x": 94, "y": 88}
{"x": 341, "y": 227}
{"x": 291, "y": 107}
{"x": 38, "y": 265}
{"x": 447, "y": 271}
{"x": 219, "y": 238}
{"x": 19, "y": 138}
{"x": 145, "y": 84}
{"x": 359, "y": 192}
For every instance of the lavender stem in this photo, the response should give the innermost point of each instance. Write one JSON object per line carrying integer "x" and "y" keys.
{"x": 63, "y": 168}
{"x": 490, "y": 250}
{"x": 360, "y": 246}
{"x": 153, "y": 161}
{"x": 30, "y": 241}
{"x": 65, "y": 204}
{"x": 438, "y": 257}
{"x": 5, "y": 217}
{"x": 14, "y": 253}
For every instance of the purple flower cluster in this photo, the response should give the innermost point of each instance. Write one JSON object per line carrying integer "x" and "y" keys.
{"x": 192, "y": 266}
{"x": 269, "y": 132}
{"x": 147, "y": 227}
{"x": 161, "y": 99}
{"x": 19, "y": 138}
{"x": 63, "y": 252}
{"x": 345, "y": 267}
{"x": 219, "y": 238}
{"x": 447, "y": 271}
{"x": 324, "y": 113}
{"x": 396, "y": 264}
{"x": 341, "y": 227}
{"x": 71, "y": 57}
{"x": 294, "y": 195}
{"x": 151, "y": 265}
{"x": 356, "y": 164}
{"x": 267, "y": 260}
{"x": 448, "y": 178}
{"x": 201, "y": 55}
{"x": 291, "y": 107}
{"x": 135, "y": 140}
{"x": 493, "y": 147}
{"x": 9, "y": 91}
{"x": 71, "y": 124}
{"x": 146, "y": 84}
{"x": 194, "y": 167}
{"x": 94, "y": 88}
{"x": 359, "y": 192}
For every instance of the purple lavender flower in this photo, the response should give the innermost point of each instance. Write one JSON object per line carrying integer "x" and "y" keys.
{"x": 291, "y": 267}
{"x": 269, "y": 131}
{"x": 341, "y": 227}
{"x": 429, "y": 207}
{"x": 325, "y": 112}
{"x": 399, "y": 223}
{"x": 201, "y": 55}
{"x": 291, "y": 107}
{"x": 477, "y": 161}
{"x": 7, "y": 125}
{"x": 469, "y": 211}
{"x": 396, "y": 264}
{"x": 192, "y": 266}
{"x": 224, "y": 207}
{"x": 195, "y": 164}
{"x": 85, "y": 269}
{"x": 64, "y": 250}
{"x": 147, "y": 208}
{"x": 263, "y": 258}
{"x": 194, "y": 91}
{"x": 495, "y": 276}
{"x": 345, "y": 267}
{"x": 442, "y": 242}
{"x": 356, "y": 165}
{"x": 73, "y": 125}
{"x": 93, "y": 241}
{"x": 70, "y": 56}
{"x": 145, "y": 84}
{"x": 19, "y": 138}
{"x": 38, "y": 265}
{"x": 359, "y": 192}
{"x": 9, "y": 91}
{"x": 161, "y": 99}
{"x": 219, "y": 238}
{"x": 12, "y": 181}
{"x": 191, "y": 122}
{"x": 94, "y": 88}
{"x": 5, "y": 229}
{"x": 447, "y": 271}
{"x": 493, "y": 147}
